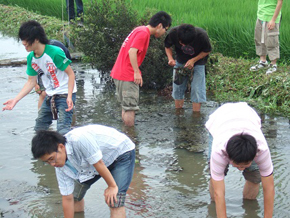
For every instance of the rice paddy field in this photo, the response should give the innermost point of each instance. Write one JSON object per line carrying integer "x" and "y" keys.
{"x": 230, "y": 23}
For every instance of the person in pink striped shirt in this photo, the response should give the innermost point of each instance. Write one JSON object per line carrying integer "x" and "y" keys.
{"x": 237, "y": 139}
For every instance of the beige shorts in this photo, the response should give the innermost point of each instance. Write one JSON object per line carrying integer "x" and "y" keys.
{"x": 267, "y": 41}
{"x": 127, "y": 94}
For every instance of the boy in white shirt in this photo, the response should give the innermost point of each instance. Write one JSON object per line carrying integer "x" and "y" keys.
{"x": 82, "y": 157}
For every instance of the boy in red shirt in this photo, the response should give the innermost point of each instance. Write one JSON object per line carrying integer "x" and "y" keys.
{"x": 126, "y": 73}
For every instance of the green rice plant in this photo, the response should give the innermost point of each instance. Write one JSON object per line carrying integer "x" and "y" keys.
{"x": 229, "y": 23}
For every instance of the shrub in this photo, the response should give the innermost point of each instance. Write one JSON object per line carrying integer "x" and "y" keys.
{"x": 107, "y": 24}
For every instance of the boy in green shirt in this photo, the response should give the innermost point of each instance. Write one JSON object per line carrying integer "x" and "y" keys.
{"x": 51, "y": 64}
{"x": 267, "y": 34}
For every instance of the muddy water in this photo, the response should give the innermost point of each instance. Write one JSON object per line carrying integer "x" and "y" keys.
{"x": 171, "y": 174}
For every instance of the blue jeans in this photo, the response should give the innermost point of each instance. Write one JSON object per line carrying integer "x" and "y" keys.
{"x": 122, "y": 171}
{"x": 198, "y": 88}
{"x": 71, "y": 8}
{"x": 44, "y": 119}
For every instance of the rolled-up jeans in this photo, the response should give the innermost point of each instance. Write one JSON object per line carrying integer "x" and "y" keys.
{"x": 44, "y": 119}
{"x": 198, "y": 87}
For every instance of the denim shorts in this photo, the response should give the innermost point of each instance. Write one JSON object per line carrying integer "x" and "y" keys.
{"x": 122, "y": 171}
{"x": 251, "y": 174}
{"x": 44, "y": 119}
{"x": 198, "y": 87}
{"x": 127, "y": 94}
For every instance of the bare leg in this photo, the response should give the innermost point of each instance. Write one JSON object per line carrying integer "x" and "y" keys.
{"x": 118, "y": 212}
{"x": 263, "y": 58}
{"x": 274, "y": 61}
{"x": 41, "y": 99}
{"x": 211, "y": 190}
{"x": 179, "y": 103}
{"x": 128, "y": 118}
{"x": 79, "y": 206}
{"x": 196, "y": 107}
{"x": 251, "y": 190}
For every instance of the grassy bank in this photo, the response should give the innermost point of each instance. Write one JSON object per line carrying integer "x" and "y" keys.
{"x": 230, "y": 24}
{"x": 12, "y": 17}
{"x": 228, "y": 79}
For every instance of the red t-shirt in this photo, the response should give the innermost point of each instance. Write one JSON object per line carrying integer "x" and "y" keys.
{"x": 139, "y": 38}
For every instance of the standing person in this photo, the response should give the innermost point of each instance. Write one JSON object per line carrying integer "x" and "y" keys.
{"x": 267, "y": 34}
{"x": 70, "y": 7}
{"x": 58, "y": 78}
{"x": 126, "y": 73}
{"x": 238, "y": 140}
{"x": 39, "y": 88}
{"x": 82, "y": 157}
{"x": 192, "y": 47}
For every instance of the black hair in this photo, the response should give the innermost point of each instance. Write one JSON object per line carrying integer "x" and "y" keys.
{"x": 32, "y": 30}
{"x": 46, "y": 142}
{"x": 242, "y": 148}
{"x": 186, "y": 33}
{"x": 160, "y": 17}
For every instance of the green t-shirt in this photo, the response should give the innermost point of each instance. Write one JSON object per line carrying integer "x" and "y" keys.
{"x": 50, "y": 66}
{"x": 266, "y": 9}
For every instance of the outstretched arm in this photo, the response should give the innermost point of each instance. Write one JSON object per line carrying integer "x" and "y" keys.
{"x": 28, "y": 86}
{"x": 269, "y": 193}
{"x": 112, "y": 190}
{"x": 68, "y": 205}
{"x": 219, "y": 198}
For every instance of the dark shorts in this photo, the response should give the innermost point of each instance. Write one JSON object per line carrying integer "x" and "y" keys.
{"x": 122, "y": 171}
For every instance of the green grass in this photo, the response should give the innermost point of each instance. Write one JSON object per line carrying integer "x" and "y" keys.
{"x": 230, "y": 24}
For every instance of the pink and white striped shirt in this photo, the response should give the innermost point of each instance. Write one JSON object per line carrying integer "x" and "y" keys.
{"x": 233, "y": 119}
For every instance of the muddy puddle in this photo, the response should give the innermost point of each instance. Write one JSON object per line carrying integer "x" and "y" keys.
{"x": 171, "y": 174}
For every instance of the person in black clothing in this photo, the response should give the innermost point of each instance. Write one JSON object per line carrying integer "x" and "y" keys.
{"x": 192, "y": 47}
{"x": 71, "y": 9}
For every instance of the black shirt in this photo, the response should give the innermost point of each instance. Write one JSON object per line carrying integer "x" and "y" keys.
{"x": 200, "y": 44}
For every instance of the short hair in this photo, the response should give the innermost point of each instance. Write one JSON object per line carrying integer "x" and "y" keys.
{"x": 186, "y": 33}
{"x": 46, "y": 142}
{"x": 242, "y": 148}
{"x": 160, "y": 17}
{"x": 32, "y": 30}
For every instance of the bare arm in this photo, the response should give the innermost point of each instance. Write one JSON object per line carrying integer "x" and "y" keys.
{"x": 71, "y": 82}
{"x": 190, "y": 63}
{"x": 269, "y": 193}
{"x": 169, "y": 54}
{"x": 28, "y": 86}
{"x": 68, "y": 206}
{"x": 112, "y": 190}
{"x": 134, "y": 62}
{"x": 271, "y": 24}
{"x": 219, "y": 197}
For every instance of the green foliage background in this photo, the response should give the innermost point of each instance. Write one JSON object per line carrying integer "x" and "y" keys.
{"x": 230, "y": 23}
